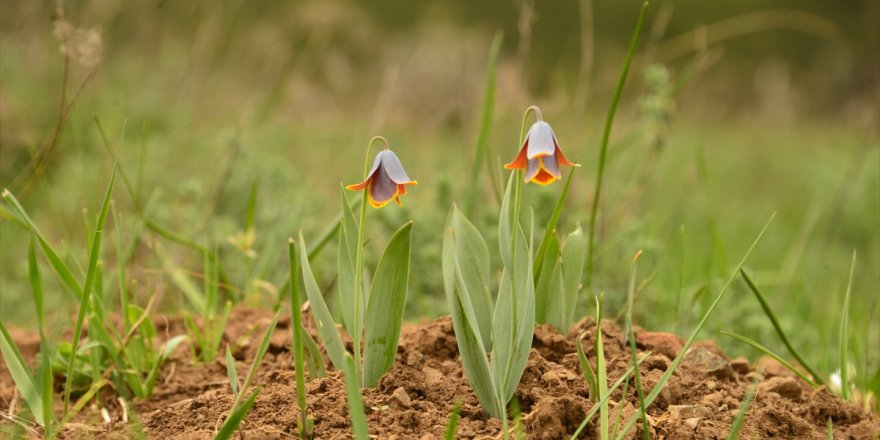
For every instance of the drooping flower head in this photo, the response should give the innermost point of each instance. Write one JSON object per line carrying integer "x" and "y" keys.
{"x": 386, "y": 180}
{"x": 540, "y": 155}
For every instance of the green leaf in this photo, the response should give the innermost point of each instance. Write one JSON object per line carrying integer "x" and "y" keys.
{"x": 297, "y": 349}
{"x": 587, "y": 369}
{"x": 238, "y": 414}
{"x": 514, "y": 321}
{"x": 180, "y": 279}
{"x": 545, "y": 279}
{"x": 61, "y": 270}
{"x": 482, "y": 150}
{"x": 231, "y": 373}
{"x": 326, "y": 326}
{"x": 843, "y": 335}
{"x": 735, "y": 428}
{"x": 505, "y": 221}
{"x": 470, "y": 345}
{"x": 355, "y": 402}
{"x": 21, "y": 375}
{"x": 164, "y": 354}
{"x": 36, "y": 284}
{"x": 98, "y": 332}
{"x": 769, "y": 312}
{"x": 386, "y": 304}
{"x": 346, "y": 262}
{"x": 452, "y": 422}
{"x": 574, "y": 256}
{"x": 94, "y": 253}
{"x": 472, "y": 252}
{"x": 770, "y": 353}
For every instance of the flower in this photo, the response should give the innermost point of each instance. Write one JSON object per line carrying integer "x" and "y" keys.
{"x": 540, "y": 156}
{"x": 385, "y": 181}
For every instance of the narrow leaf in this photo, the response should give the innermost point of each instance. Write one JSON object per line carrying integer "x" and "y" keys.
{"x": 346, "y": 262}
{"x": 473, "y": 255}
{"x": 770, "y": 353}
{"x": 574, "y": 256}
{"x": 545, "y": 279}
{"x": 736, "y": 427}
{"x": 21, "y": 375}
{"x": 238, "y": 414}
{"x": 231, "y": 373}
{"x": 326, "y": 326}
{"x": 843, "y": 335}
{"x": 355, "y": 402}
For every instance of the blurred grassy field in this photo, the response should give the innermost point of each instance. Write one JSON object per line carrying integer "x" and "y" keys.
{"x": 213, "y": 109}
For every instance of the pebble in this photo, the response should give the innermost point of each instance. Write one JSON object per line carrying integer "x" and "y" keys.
{"x": 678, "y": 412}
{"x": 740, "y": 365}
{"x": 401, "y": 398}
{"x": 786, "y": 387}
{"x": 432, "y": 376}
{"x": 713, "y": 364}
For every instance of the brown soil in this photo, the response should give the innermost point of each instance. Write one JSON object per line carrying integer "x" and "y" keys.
{"x": 415, "y": 398}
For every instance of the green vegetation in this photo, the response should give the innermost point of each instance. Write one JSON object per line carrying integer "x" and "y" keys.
{"x": 210, "y": 183}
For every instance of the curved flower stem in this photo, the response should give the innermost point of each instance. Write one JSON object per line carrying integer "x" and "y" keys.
{"x": 359, "y": 268}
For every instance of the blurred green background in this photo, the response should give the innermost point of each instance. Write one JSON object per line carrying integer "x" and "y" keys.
{"x": 733, "y": 111}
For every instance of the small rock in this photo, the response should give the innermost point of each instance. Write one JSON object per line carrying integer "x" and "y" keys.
{"x": 551, "y": 378}
{"x": 714, "y": 364}
{"x": 679, "y": 412}
{"x": 432, "y": 376}
{"x": 400, "y": 397}
{"x": 692, "y": 423}
{"x": 415, "y": 359}
{"x": 741, "y": 365}
{"x": 714, "y": 399}
{"x": 771, "y": 367}
{"x": 786, "y": 387}
{"x": 657, "y": 362}
{"x": 711, "y": 385}
{"x": 666, "y": 344}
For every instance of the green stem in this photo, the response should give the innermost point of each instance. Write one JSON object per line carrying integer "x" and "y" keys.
{"x": 359, "y": 268}
{"x": 606, "y": 135}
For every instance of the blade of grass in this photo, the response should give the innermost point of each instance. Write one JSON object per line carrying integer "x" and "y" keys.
{"x": 173, "y": 236}
{"x": 844, "y": 334}
{"x": 830, "y": 429}
{"x": 587, "y": 370}
{"x": 234, "y": 419}
{"x": 231, "y": 373}
{"x": 596, "y": 407}
{"x": 736, "y": 427}
{"x": 21, "y": 375}
{"x": 482, "y": 151}
{"x": 298, "y": 350}
{"x": 452, "y": 422}
{"x": 769, "y": 312}
{"x": 355, "y": 403}
{"x": 630, "y": 335}
{"x": 326, "y": 326}
{"x": 471, "y": 248}
{"x": 258, "y": 359}
{"x": 87, "y": 286}
{"x": 678, "y": 359}
{"x": 768, "y": 352}
{"x": 57, "y": 263}
{"x": 601, "y": 374}
{"x": 606, "y": 136}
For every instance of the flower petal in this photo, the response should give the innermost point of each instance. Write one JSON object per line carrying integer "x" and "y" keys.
{"x": 393, "y": 168}
{"x": 550, "y": 164}
{"x": 540, "y": 140}
{"x": 519, "y": 162}
{"x": 544, "y": 178}
{"x": 533, "y": 166}
{"x": 382, "y": 190}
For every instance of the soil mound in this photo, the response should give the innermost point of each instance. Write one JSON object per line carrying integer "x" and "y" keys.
{"x": 415, "y": 398}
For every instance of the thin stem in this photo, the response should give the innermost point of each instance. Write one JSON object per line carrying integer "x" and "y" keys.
{"x": 606, "y": 135}
{"x": 359, "y": 267}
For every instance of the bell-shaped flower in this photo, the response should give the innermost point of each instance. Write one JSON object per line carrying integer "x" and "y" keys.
{"x": 386, "y": 180}
{"x": 540, "y": 156}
